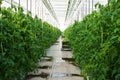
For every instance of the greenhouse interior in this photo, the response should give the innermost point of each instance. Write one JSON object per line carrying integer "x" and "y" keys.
{"x": 59, "y": 39}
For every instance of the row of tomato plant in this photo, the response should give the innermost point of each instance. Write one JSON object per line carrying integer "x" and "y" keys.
{"x": 95, "y": 42}
{"x": 23, "y": 40}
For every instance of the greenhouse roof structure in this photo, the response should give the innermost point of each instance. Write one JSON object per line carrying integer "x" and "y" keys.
{"x": 60, "y": 13}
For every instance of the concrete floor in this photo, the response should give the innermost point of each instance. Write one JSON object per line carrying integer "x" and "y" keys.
{"x": 59, "y": 67}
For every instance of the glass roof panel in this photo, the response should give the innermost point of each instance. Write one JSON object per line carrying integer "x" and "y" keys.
{"x": 53, "y": 10}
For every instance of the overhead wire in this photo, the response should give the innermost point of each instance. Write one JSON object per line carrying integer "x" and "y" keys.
{"x": 75, "y": 8}
{"x": 50, "y": 9}
{"x": 72, "y": 8}
{"x": 14, "y": 3}
{"x": 53, "y": 11}
{"x": 68, "y": 9}
{"x": 46, "y": 3}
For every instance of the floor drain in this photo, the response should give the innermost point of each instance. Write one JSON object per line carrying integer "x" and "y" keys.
{"x": 56, "y": 75}
{"x": 44, "y": 67}
{"x": 68, "y": 59}
{"x": 42, "y": 75}
{"x": 47, "y": 58}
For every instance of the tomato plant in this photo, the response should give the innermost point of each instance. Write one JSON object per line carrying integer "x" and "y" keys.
{"x": 23, "y": 40}
{"x": 95, "y": 42}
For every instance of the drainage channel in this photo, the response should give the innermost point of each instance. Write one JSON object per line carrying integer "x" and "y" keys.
{"x": 44, "y": 67}
{"x": 42, "y": 75}
{"x": 57, "y": 75}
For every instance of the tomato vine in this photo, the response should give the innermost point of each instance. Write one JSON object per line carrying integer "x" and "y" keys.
{"x": 23, "y": 40}
{"x": 95, "y": 42}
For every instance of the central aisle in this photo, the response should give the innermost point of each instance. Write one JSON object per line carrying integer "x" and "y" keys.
{"x": 60, "y": 70}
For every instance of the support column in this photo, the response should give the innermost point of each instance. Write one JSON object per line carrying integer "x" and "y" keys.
{"x": 27, "y": 5}
{"x": 35, "y": 7}
{"x": 31, "y": 6}
{"x": 19, "y": 2}
{"x": 11, "y": 3}
{"x": 92, "y": 5}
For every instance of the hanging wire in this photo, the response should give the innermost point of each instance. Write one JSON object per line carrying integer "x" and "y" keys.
{"x": 68, "y": 9}
{"x": 1, "y": 44}
{"x": 35, "y": 7}
{"x": 75, "y": 8}
{"x": 11, "y": 3}
{"x": 19, "y": 2}
{"x": 14, "y": 3}
{"x": 92, "y": 5}
{"x": 89, "y": 6}
{"x": 53, "y": 10}
{"x": 50, "y": 9}
{"x": 42, "y": 21}
{"x": 72, "y": 7}
{"x": 31, "y": 6}
{"x": 86, "y": 6}
{"x": 27, "y": 5}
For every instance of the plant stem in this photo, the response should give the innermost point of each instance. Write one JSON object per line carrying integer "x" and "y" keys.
{"x": 101, "y": 35}
{"x": 2, "y": 47}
